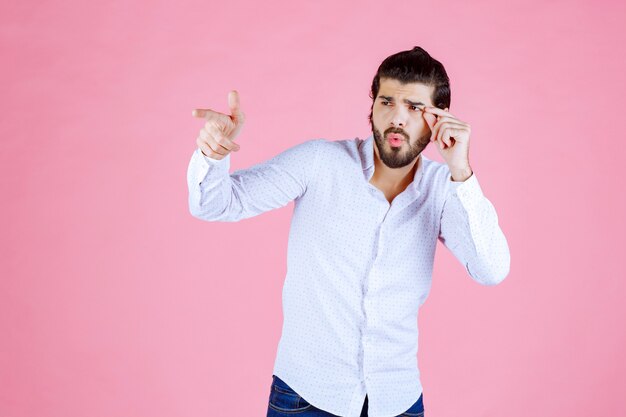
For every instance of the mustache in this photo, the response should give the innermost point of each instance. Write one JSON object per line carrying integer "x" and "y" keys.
{"x": 397, "y": 131}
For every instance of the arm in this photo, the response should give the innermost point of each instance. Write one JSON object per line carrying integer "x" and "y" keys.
{"x": 469, "y": 229}
{"x": 217, "y": 195}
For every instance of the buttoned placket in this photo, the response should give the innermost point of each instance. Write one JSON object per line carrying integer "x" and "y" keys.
{"x": 384, "y": 210}
{"x": 387, "y": 210}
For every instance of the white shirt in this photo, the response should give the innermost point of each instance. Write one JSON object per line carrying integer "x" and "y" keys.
{"x": 358, "y": 268}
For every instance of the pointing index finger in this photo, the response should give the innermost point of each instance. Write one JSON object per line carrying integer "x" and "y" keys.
{"x": 437, "y": 111}
{"x": 213, "y": 116}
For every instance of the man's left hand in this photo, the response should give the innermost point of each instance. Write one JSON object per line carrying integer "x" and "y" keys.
{"x": 452, "y": 137}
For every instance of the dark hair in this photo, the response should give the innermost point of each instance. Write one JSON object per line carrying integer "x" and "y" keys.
{"x": 414, "y": 66}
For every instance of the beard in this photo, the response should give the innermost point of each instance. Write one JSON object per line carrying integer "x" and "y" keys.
{"x": 398, "y": 157}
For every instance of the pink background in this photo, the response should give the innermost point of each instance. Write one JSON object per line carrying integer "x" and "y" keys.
{"x": 115, "y": 301}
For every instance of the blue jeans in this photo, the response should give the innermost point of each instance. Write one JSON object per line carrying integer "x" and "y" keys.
{"x": 284, "y": 401}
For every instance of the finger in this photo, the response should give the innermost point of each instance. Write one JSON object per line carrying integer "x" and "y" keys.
{"x": 220, "y": 119}
{"x": 435, "y": 136}
{"x": 202, "y": 113}
{"x": 441, "y": 134}
{"x": 207, "y": 150}
{"x": 444, "y": 125}
{"x": 221, "y": 139}
{"x": 430, "y": 120}
{"x": 215, "y": 145}
{"x": 209, "y": 140}
{"x": 435, "y": 130}
{"x": 439, "y": 122}
{"x": 437, "y": 111}
{"x": 235, "y": 108}
{"x": 442, "y": 119}
{"x": 438, "y": 142}
{"x": 445, "y": 136}
{"x": 452, "y": 131}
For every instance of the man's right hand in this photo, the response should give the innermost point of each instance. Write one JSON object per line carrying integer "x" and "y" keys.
{"x": 216, "y": 139}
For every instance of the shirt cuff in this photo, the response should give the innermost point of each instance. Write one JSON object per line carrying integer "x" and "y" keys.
{"x": 467, "y": 190}
{"x": 211, "y": 161}
{"x": 202, "y": 165}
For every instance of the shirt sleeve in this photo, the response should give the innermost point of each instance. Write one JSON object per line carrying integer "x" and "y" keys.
{"x": 469, "y": 229}
{"x": 215, "y": 194}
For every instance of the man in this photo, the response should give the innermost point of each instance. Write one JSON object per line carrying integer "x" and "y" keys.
{"x": 367, "y": 217}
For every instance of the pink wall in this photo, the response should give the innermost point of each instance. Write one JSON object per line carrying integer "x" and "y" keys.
{"x": 115, "y": 301}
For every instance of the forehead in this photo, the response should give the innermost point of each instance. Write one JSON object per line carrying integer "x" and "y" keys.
{"x": 411, "y": 91}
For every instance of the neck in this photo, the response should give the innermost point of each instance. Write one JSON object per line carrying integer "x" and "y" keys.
{"x": 395, "y": 178}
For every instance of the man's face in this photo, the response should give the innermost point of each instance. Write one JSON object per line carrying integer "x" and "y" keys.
{"x": 396, "y": 113}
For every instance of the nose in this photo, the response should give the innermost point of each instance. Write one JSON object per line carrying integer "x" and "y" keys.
{"x": 399, "y": 116}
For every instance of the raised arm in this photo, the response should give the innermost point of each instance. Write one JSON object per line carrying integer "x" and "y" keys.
{"x": 469, "y": 229}
{"x": 215, "y": 194}
{"x": 469, "y": 223}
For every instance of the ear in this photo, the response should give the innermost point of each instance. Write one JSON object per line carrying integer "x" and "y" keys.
{"x": 446, "y": 109}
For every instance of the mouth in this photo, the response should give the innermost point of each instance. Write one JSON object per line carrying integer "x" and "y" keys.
{"x": 395, "y": 139}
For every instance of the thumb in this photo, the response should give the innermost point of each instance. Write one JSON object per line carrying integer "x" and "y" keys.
{"x": 430, "y": 118}
{"x": 233, "y": 104}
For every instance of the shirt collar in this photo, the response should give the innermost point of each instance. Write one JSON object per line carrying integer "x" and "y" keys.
{"x": 366, "y": 152}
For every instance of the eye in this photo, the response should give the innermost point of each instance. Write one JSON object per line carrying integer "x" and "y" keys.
{"x": 384, "y": 102}
{"x": 415, "y": 107}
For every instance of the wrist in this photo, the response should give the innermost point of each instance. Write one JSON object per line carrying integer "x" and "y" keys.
{"x": 461, "y": 174}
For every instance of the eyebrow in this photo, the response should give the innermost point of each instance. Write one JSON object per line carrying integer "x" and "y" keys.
{"x": 412, "y": 103}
